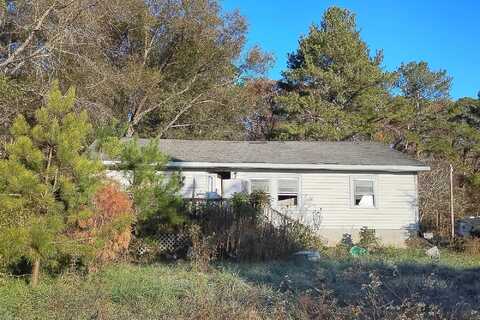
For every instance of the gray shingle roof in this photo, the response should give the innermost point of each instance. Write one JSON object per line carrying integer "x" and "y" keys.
{"x": 289, "y": 152}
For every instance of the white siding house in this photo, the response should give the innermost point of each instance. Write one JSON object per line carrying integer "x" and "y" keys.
{"x": 336, "y": 187}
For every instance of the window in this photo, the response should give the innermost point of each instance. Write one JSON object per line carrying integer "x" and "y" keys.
{"x": 260, "y": 185}
{"x": 287, "y": 195}
{"x": 364, "y": 193}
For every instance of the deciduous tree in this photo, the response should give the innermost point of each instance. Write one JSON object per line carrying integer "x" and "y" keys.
{"x": 158, "y": 66}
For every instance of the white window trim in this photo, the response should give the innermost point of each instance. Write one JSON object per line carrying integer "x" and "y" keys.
{"x": 375, "y": 191}
{"x": 273, "y": 178}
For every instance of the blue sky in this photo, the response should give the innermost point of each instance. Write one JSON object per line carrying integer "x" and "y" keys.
{"x": 444, "y": 33}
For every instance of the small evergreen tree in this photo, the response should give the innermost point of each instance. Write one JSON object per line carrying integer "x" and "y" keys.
{"x": 155, "y": 190}
{"x": 46, "y": 184}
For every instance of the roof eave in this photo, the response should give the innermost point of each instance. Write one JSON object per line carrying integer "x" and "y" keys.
{"x": 281, "y": 166}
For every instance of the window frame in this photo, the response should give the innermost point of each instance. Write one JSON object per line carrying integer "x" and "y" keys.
{"x": 297, "y": 194}
{"x": 370, "y": 178}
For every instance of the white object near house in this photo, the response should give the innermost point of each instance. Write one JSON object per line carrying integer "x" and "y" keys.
{"x": 337, "y": 187}
{"x": 232, "y": 186}
{"x": 428, "y": 235}
{"x": 433, "y": 253}
{"x": 311, "y": 256}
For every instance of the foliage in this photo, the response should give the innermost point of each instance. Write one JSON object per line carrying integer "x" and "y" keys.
{"x": 159, "y": 67}
{"x": 324, "y": 96}
{"x": 14, "y": 100}
{"x": 472, "y": 246}
{"x": 469, "y": 246}
{"x": 46, "y": 183}
{"x": 368, "y": 239}
{"x": 334, "y": 90}
{"x": 346, "y": 241}
{"x": 203, "y": 248}
{"x": 181, "y": 69}
{"x": 262, "y": 122}
{"x": 155, "y": 190}
{"x": 416, "y": 81}
{"x": 399, "y": 284}
{"x": 342, "y": 249}
{"x": 140, "y": 292}
{"x": 250, "y": 205}
{"x": 110, "y": 225}
{"x": 246, "y": 228}
{"x": 107, "y": 139}
{"x": 304, "y": 237}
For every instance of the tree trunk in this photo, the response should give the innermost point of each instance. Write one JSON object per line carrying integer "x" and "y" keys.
{"x": 35, "y": 272}
{"x": 130, "y": 131}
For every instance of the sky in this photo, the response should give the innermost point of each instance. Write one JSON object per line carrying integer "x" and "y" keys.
{"x": 444, "y": 33}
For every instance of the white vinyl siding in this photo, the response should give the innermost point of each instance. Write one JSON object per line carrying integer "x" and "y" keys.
{"x": 395, "y": 195}
{"x": 197, "y": 184}
{"x": 395, "y": 200}
{"x": 325, "y": 199}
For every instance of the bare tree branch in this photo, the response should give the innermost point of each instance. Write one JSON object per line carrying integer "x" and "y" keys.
{"x": 26, "y": 43}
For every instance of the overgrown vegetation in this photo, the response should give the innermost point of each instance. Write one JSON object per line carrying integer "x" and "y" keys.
{"x": 47, "y": 186}
{"x": 109, "y": 228}
{"x": 155, "y": 196}
{"x": 246, "y": 228}
{"x": 394, "y": 284}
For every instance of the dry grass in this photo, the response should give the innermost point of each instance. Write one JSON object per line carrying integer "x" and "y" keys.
{"x": 138, "y": 292}
{"x": 393, "y": 284}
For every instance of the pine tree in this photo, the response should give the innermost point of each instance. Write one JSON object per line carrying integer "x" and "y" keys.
{"x": 416, "y": 120}
{"x": 155, "y": 190}
{"x": 336, "y": 90}
{"x": 46, "y": 183}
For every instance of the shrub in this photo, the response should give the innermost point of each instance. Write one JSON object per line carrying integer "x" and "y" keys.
{"x": 456, "y": 244}
{"x": 245, "y": 228}
{"x": 304, "y": 237}
{"x": 203, "y": 249}
{"x": 368, "y": 239}
{"x": 472, "y": 246}
{"x": 109, "y": 227}
{"x": 416, "y": 242}
{"x": 466, "y": 245}
{"x": 342, "y": 249}
{"x": 114, "y": 219}
{"x": 346, "y": 241}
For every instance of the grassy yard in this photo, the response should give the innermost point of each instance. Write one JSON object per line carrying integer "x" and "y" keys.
{"x": 390, "y": 285}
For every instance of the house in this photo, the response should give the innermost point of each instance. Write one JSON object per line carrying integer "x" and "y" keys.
{"x": 336, "y": 187}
